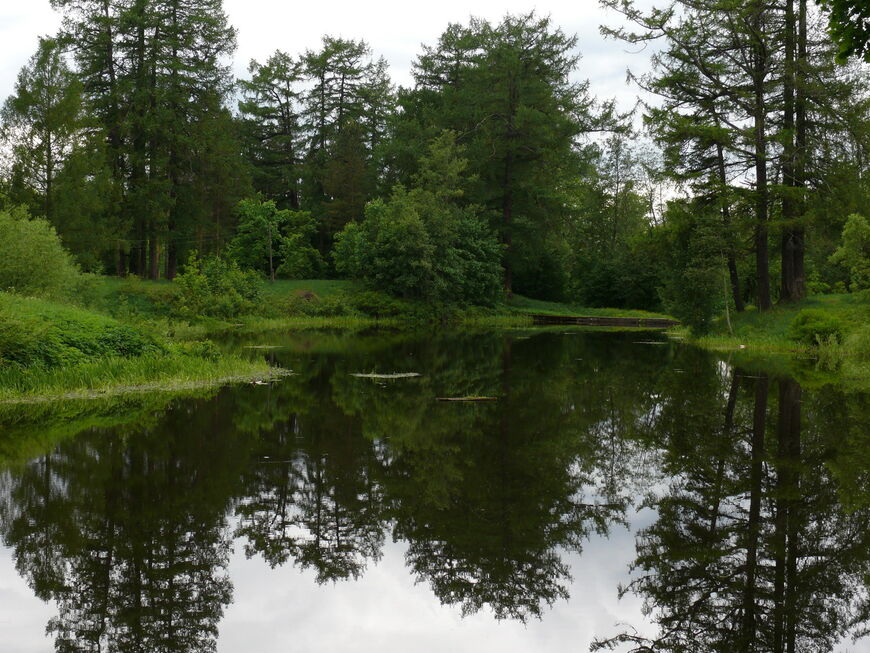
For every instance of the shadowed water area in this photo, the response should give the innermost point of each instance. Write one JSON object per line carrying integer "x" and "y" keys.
{"x": 622, "y": 489}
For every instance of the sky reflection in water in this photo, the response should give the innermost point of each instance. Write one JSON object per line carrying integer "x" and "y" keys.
{"x": 332, "y": 512}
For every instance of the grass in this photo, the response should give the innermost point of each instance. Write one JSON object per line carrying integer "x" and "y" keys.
{"x": 763, "y": 340}
{"x": 120, "y": 376}
{"x": 526, "y": 305}
{"x": 50, "y": 350}
{"x": 335, "y": 304}
{"x": 321, "y": 287}
{"x": 769, "y": 330}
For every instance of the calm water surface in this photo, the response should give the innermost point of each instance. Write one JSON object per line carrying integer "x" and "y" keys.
{"x": 623, "y": 489}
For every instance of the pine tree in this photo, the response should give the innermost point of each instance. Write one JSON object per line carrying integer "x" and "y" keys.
{"x": 506, "y": 90}
{"x": 43, "y": 122}
{"x": 274, "y": 136}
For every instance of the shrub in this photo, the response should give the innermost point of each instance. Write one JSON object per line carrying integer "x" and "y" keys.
{"x": 691, "y": 291}
{"x": 311, "y": 305}
{"x": 424, "y": 243}
{"x": 264, "y": 229}
{"x": 215, "y": 287}
{"x": 854, "y": 253}
{"x": 204, "y": 349}
{"x": 814, "y": 326}
{"x": 34, "y": 333}
{"x": 32, "y": 258}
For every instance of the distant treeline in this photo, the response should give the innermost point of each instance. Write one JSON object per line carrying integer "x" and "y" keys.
{"x": 128, "y": 133}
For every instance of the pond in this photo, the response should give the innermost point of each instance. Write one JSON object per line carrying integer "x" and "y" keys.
{"x": 614, "y": 487}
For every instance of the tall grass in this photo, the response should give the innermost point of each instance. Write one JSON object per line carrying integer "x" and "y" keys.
{"x": 117, "y": 376}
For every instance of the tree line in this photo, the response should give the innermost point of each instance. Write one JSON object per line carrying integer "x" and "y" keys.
{"x": 128, "y": 133}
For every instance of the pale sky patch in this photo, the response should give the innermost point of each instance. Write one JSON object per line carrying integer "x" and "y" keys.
{"x": 393, "y": 29}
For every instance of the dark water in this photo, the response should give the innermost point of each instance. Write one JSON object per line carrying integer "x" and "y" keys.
{"x": 728, "y": 506}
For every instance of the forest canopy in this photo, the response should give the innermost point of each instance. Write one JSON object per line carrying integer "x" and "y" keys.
{"x": 496, "y": 171}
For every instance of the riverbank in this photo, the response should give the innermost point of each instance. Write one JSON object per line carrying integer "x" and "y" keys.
{"x": 825, "y": 337}
{"x": 52, "y": 350}
{"x": 776, "y": 330}
{"x": 321, "y": 304}
{"x": 132, "y": 336}
{"x": 128, "y": 336}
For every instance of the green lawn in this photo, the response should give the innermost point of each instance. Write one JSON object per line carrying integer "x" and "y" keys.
{"x": 527, "y": 305}
{"x": 320, "y": 287}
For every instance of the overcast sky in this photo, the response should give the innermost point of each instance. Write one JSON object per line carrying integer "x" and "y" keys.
{"x": 394, "y": 29}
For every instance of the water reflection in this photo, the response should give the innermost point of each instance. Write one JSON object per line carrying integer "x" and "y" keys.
{"x": 761, "y": 491}
{"x": 753, "y": 549}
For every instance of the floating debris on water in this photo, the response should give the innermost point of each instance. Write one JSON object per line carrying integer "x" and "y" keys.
{"x": 466, "y": 398}
{"x": 395, "y": 375}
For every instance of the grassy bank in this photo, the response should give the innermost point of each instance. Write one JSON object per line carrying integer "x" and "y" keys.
{"x": 318, "y": 303}
{"x": 51, "y": 350}
{"x": 525, "y": 305}
{"x": 772, "y": 330}
{"x": 775, "y": 340}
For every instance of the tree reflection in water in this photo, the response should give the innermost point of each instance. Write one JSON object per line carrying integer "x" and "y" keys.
{"x": 760, "y": 542}
{"x": 753, "y": 549}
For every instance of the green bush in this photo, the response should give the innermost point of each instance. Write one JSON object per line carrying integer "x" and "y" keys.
{"x": 424, "y": 243}
{"x": 363, "y": 303}
{"x": 691, "y": 290}
{"x": 32, "y": 258}
{"x": 814, "y": 326}
{"x": 854, "y": 252}
{"x": 204, "y": 349}
{"x": 285, "y": 236}
{"x": 376, "y": 304}
{"x": 215, "y": 287}
{"x": 40, "y": 334}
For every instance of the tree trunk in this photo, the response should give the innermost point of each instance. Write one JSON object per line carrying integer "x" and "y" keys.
{"x": 153, "y": 255}
{"x": 798, "y": 243}
{"x": 726, "y": 219}
{"x": 787, "y": 292}
{"x": 507, "y": 189}
{"x": 121, "y": 258}
{"x": 753, "y": 525}
{"x": 762, "y": 198}
{"x": 174, "y": 156}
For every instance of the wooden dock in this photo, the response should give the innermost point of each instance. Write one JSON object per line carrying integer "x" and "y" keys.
{"x": 585, "y": 320}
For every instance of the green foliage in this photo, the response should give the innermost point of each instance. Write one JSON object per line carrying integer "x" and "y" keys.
{"x": 422, "y": 243}
{"x": 857, "y": 343}
{"x": 274, "y": 241}
{"x": 273, "y": 126}
{"x": 692, "y": 290}
{"x": 854, "y": 252}
{"x": 44, "y": 335}
{"x": 508, "y": 89}
{"x": 32, "y": 258}
{"x": 216, "y": 287}
{"x": 849, "y": 24}
{"x": 814, "y": 326}
{"x": 41, "y": 123}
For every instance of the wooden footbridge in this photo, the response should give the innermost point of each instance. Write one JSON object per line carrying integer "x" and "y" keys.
{"x": 586, "y": 320}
